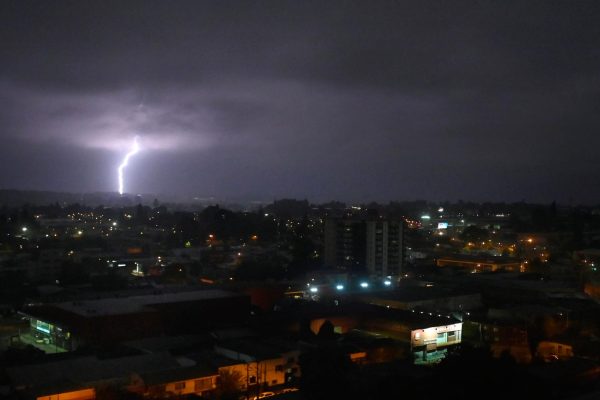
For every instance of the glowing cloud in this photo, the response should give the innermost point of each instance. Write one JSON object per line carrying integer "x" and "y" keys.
{"x": 134, "y": 150}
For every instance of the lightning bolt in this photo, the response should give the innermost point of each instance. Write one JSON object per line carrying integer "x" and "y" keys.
{"x": 134, "y": 150}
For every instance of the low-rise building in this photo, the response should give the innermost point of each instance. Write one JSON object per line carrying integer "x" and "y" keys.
{"x": 115, "y": 319}
{"x": 80, "y": 378}
{"x": 194, "y": 380}
{"x": 551, "y": 350}
{"x": 412, "y": 329}
{"x": 265, "y": 365}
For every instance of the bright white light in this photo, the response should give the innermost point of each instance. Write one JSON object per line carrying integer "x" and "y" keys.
{"x": 24, "y": 229}
{"x": 425, "y": 217}
{"x": 115, "y": 224}
{"x": 364, "y": 285}
{"x": 339, "y": 287}
{"x": 132, "y": 152}
{"x": 314, "y": 289}
{"x": 387, "y": 283}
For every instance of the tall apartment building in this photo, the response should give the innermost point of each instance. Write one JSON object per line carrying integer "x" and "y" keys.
{"x": 345, "y": 244}
{"x": 364, "y": 245}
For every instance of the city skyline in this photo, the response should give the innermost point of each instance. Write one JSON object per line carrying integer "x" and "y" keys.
{"x": 343, "y": 101}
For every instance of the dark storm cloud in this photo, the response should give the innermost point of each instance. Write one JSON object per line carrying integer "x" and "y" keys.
{"x": 347, "y": 100}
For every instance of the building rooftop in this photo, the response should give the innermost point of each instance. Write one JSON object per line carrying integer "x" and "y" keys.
{"x": 253, "y": 348}
{"x": 210, "y": 359}
{"x": 415, "y": 319}
{"x": 177, "y": 374}
{"x": 137, "y": 304}
{"x": 416, "y": 293}
{"x": 172, "y": 344}
{"x": 74, "y": 373}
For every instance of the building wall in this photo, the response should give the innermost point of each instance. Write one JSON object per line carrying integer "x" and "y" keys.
{"x": 450, "y": 335}
{"x": 548, "y": 350}
{"x": 429, "y": 345}
{"x": 520, "y": 353}
{"x": 478, "y": 265}
{"x": 83, "y": 394}
{"x": 265, "y": 373}
{"x": 192, "y": 386}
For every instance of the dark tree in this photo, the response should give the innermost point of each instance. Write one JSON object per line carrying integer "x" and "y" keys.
{"x": 326, "y": 332}
{"x": 229, "y": 386}
{"x": 328, "y": 373}
{"x": 473, "y": 233}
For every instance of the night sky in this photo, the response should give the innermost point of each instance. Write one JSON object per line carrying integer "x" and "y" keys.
{"x": 355, "y": 101}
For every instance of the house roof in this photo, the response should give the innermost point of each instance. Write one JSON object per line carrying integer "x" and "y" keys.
{"x": 136, "y": 304}
{"x": 81, "y": 372}
{"x": 178, "y": 374}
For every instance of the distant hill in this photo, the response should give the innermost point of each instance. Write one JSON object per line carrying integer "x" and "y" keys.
{"x": 16, "y": 198}
{"x": 13, "y": 198}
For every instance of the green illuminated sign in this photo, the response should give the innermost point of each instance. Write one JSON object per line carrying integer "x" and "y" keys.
{"x": 43, "y": 326}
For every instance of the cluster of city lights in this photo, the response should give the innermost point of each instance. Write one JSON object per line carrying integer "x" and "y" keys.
{"x": 340, "y": 287}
